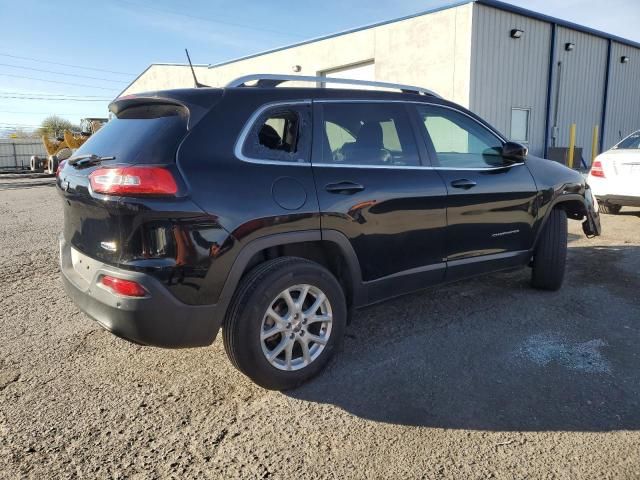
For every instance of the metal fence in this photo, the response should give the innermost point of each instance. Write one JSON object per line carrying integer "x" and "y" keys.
{"x": 15, "y": 154}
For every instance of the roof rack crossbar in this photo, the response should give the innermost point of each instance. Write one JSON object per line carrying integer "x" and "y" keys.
{"x": 270, "y": 80}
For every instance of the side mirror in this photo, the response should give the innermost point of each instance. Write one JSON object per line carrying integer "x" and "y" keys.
{"x": 514, "y": 151}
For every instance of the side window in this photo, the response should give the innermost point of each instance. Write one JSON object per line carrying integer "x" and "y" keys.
{"x": 458, "y": 140}
{"x": 367, "y": 134}
{"x": 280, "y": 133}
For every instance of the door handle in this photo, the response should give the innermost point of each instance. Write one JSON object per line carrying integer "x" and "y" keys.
{"x": 463, "y": 183}
{"x": 345, "y": 188}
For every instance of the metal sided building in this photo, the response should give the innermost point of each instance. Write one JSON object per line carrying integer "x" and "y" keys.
{"x": 528, "y": 74}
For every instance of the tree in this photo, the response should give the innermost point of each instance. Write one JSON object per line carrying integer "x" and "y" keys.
{"x": 55, "y": 126}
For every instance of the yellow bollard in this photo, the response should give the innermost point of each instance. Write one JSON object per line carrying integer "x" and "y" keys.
{"x": 594, "y": 144}
{"x": 572, "y": 144}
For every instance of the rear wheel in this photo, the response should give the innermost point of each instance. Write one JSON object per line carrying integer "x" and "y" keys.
{"x": 285, "y": 322}
{"x": 550, "y": 256}
{"x": 609, "y": 208}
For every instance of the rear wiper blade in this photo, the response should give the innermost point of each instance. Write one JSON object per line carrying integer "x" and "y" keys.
{"x": 88, "y": 159}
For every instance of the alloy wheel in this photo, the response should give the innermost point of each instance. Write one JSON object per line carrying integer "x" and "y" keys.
{"x": 296, "y": 327}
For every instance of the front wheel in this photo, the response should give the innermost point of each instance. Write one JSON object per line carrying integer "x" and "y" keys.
{"x": 550, "y": 255}
{"x": 285, "y": 322}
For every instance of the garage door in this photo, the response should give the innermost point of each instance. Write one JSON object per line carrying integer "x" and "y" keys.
{"x": 362, "y": 71}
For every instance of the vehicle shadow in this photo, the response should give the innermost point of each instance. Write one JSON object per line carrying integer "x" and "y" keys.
{"x": 494, "y": 354}
{"x": 630, "y": 211}
{"x": 21, "y": 185}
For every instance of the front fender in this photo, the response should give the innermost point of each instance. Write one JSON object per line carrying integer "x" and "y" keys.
{"x": 559, "y": 186}
{"x": 579, "y": 206}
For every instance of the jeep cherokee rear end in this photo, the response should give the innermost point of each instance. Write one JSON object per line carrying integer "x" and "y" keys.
{"x": 135, "y": 247}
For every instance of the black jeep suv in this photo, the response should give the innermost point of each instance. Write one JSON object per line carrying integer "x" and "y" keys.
{"x": 272, "y": 212}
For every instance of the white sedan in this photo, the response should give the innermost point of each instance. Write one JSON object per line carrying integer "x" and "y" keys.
{"x": 615, "y": 175}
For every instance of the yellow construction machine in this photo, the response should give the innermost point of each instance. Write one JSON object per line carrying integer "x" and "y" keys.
{"x": 60, "y": 149}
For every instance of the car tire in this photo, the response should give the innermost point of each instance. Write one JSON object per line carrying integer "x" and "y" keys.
{"x": 249, "y": 320}
{"x": 609, "y": 208}
{"x": 550, "y": 255}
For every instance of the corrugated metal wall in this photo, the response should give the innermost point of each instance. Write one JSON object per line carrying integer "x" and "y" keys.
{"x": 510, "y": 73}
{"x": 623, "y": 104}
{"x": 507, "y": 73}
{"x": 17, "y": 152}
{"x": 582, "y": 84}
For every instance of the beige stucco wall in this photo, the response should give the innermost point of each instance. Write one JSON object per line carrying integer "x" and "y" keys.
{"x": 432, "y": 51}
{"x": 165, "y": 76}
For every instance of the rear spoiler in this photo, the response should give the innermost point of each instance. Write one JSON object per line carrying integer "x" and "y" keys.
{"x": 195, "y": 102}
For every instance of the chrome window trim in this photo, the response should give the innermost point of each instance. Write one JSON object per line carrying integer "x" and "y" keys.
{"x": 351, "y": 165}
{"x": 419, "y": 167}
{"x": 254, "y": 118}
{"x": 248, "y": 126}
{"x": 518, "y": 164}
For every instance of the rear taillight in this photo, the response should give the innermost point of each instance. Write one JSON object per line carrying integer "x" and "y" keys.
{"x": 60, "y": 167}
{"x": 127, "y": 288}
{"x": 133, "y": 181}
{"x": 596, "y": 169}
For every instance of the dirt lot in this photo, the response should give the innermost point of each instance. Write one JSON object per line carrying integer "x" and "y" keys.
{"x": 484, "y": 378}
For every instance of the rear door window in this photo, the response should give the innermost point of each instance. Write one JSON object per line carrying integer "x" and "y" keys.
{"x": 377, "y": 134}
{"x": 281, "y": 133}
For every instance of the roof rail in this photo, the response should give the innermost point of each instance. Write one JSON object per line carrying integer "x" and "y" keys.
{"x": 269, "y": 80}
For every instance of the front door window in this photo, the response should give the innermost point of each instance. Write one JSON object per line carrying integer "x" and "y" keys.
{"x": 458, "y": 140}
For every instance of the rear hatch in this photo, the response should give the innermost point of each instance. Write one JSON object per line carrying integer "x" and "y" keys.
{"x": 127, "y": 170}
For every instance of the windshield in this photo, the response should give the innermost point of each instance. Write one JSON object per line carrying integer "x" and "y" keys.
{"x": 630, "y": 143}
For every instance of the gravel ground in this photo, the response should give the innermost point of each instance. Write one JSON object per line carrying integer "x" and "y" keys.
{"x": 481, "y": 379}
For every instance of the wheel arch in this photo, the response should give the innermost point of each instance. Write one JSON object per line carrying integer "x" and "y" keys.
{"x": 330, "y": 249}
{"x": 574, "y": 206}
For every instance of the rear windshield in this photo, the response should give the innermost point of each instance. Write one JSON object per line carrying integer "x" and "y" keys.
{"x": 140, "y": 134}
{"x": 631, "y": 142}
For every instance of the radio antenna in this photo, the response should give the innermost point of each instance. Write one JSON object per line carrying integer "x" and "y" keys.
{"x": 195, "y": 80}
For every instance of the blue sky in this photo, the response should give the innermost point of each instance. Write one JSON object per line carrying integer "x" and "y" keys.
{"x": 125, "y": 36}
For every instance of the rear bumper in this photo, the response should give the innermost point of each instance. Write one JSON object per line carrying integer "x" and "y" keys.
{"x": 158, "y": 319}
{"x": 624, "y": 200}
